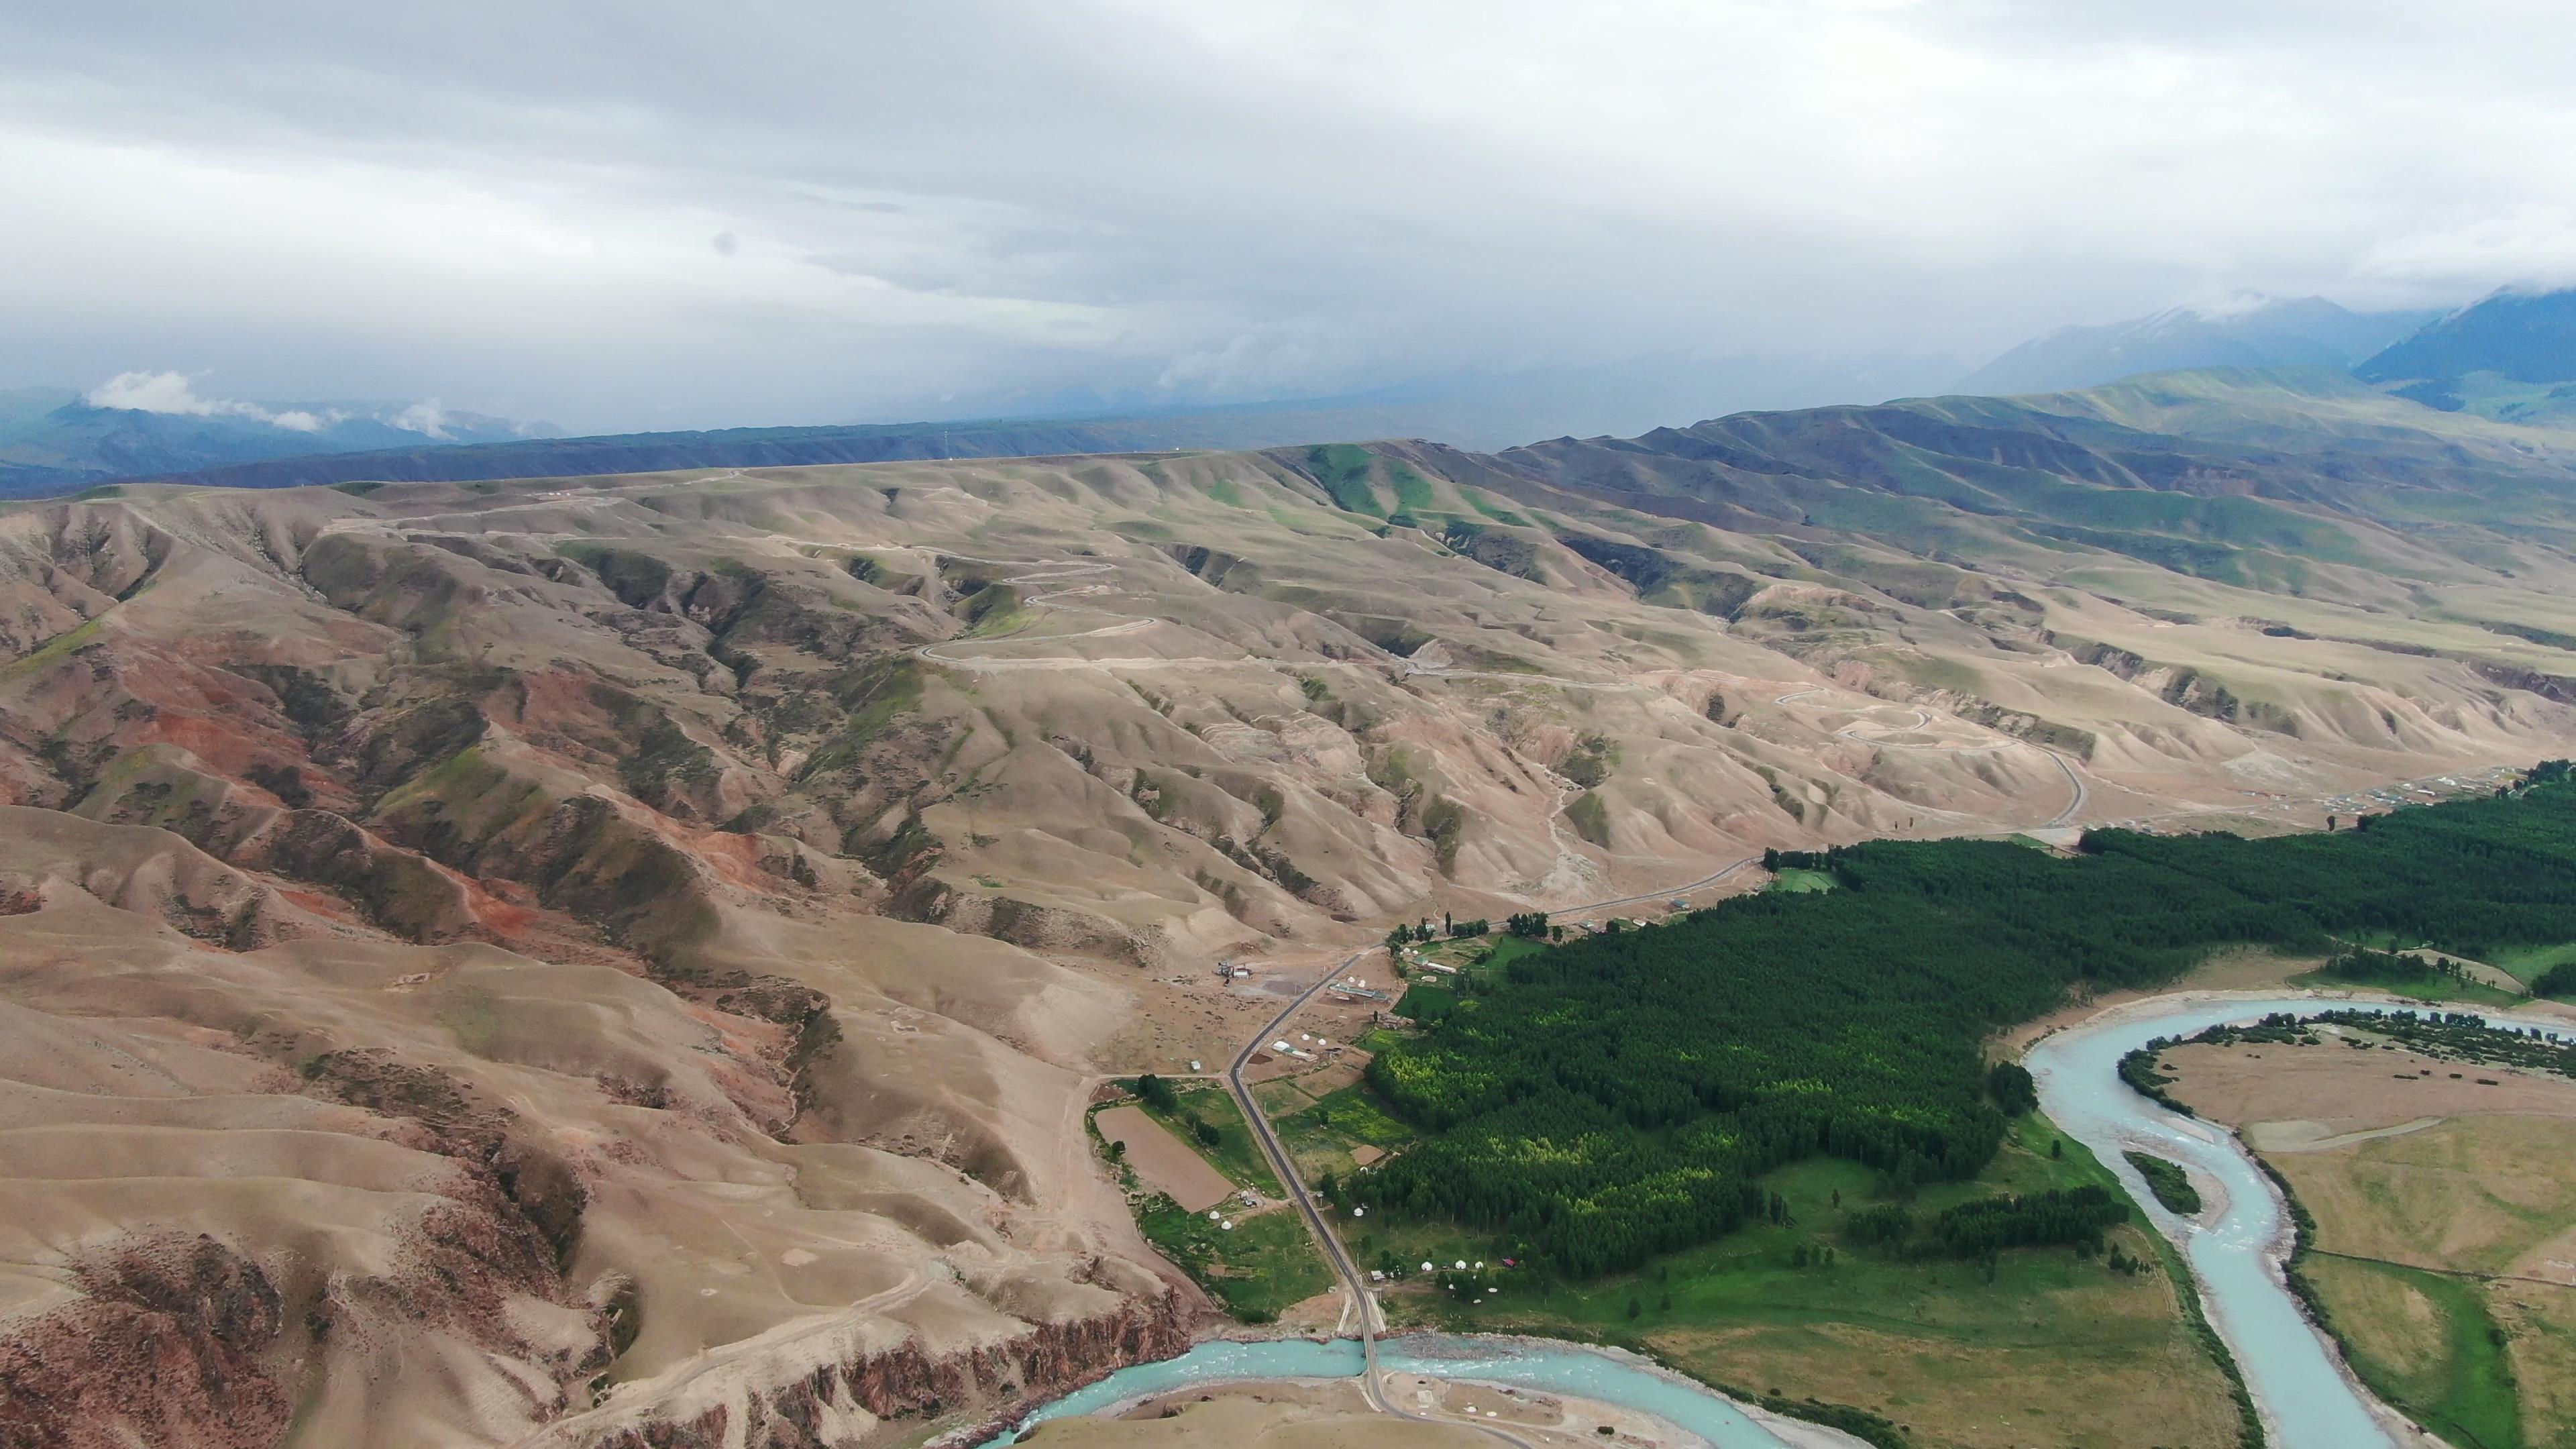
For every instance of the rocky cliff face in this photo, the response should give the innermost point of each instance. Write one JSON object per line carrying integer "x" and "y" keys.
{"x": 832, "y": 1405}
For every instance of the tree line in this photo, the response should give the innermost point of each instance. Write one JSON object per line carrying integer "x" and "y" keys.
{"x": 1616, "y": 1097}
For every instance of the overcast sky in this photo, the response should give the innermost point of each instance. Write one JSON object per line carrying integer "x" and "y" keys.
{"x": 645, "y": 214}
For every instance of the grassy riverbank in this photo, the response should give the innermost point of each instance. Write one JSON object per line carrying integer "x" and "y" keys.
{"x": 2430, "y": 1247}
{"x": 1951, "y": 1353}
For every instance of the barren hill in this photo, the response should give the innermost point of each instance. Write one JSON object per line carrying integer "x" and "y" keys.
{"x": 535, "y": 962}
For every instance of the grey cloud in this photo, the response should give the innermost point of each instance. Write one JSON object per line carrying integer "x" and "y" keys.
{"x": 1161, "y": 200}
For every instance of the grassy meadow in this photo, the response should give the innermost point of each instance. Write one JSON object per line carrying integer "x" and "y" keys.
{"x": 2051, "y": 1344}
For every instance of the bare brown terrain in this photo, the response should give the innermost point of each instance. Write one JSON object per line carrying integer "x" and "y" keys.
{"x": 621, "y": 961}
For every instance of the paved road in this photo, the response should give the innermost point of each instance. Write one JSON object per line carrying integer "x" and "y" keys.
{"x": 1360, "y": 1298}
{"x": 2075, "y": 782}
{"x": 2073, "y": 779}
{"x": 1661, "y": 895}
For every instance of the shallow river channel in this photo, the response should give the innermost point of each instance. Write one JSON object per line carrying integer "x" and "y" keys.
{"x": 2307, "y": 1399}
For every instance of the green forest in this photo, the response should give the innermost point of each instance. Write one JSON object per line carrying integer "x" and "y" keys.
{"x": 1616, "y": 1097}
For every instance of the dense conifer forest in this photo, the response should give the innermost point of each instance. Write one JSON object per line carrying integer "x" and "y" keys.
{"x": 1617, "y": 1097}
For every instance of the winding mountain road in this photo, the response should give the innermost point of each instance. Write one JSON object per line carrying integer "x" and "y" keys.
{"x": 2072, "y": 779}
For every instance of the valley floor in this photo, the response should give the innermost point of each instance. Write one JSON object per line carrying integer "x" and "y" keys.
{"x": 2444, "y": 1201}
{"x": 2051, "y": 1348}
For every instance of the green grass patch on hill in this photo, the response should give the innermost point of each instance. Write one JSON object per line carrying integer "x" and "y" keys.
{"x": 1343, "y": 469}
{"x": 1590, "y": 818}
{"x": 53, "y": 651}
{"x": 1795, "y": 881}
{"x": 1412, "y": 490}
{"x": 994, "y": 610}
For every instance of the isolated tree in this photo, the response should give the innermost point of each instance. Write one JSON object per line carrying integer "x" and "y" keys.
{"x": 1635, "y": 1308}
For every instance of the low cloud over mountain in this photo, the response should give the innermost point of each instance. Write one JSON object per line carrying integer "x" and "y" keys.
{"x": 145, "y": 421}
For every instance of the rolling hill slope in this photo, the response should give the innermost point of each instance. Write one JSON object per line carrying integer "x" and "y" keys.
{"x": 662, "y": 930}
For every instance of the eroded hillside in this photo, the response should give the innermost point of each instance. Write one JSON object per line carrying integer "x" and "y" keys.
{"x": 535, "y": 962}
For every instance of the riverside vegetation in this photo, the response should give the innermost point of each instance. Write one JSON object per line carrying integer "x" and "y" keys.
{"x": 1621, "y": 1096}
{"x": 2427, "y": 1253}
{"x": 1763, "y": 1141}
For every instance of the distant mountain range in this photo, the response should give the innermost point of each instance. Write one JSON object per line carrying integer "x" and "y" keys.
{"x": 2510, "y": 357}
{"x": 56, "y": 440}
{"x": 1490, "y": 411}
{"x": 1480, "y": 410}
{"x": 2255, "y": 332}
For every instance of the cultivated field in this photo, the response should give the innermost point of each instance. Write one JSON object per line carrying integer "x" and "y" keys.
{"x": 2445, "y": 1211}
{"x": 1164, "y": 1162}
